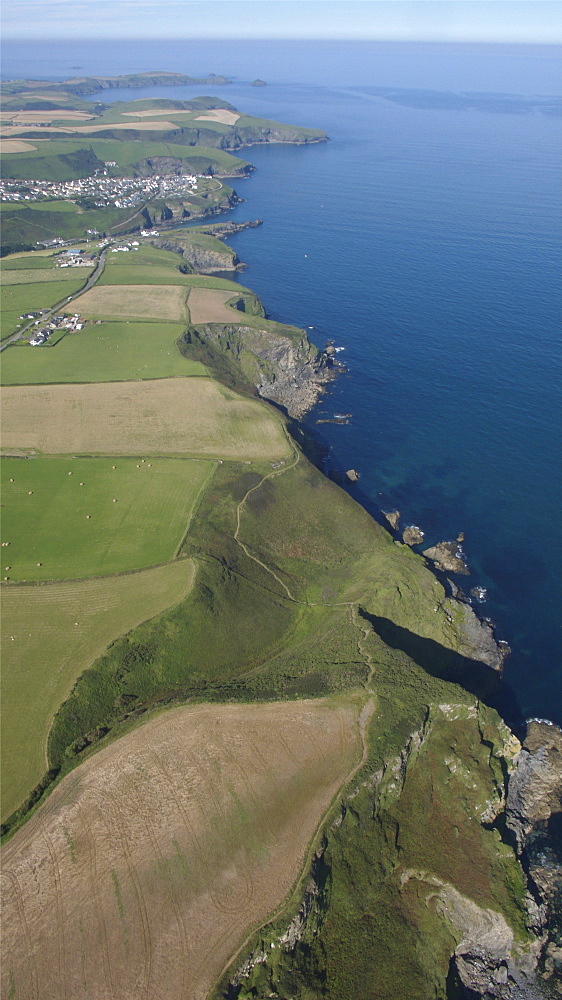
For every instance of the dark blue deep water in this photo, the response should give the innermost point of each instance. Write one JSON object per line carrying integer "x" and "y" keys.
{"x": 425, "y": 239}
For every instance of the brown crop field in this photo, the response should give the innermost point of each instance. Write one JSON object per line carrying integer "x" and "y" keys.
{"x": 143, "y": 872}
{"x": 208, "y": 305}
{"x": 192, "y": 416}
{"x": 164, "y": 302}
{"x": 51, "y": 634}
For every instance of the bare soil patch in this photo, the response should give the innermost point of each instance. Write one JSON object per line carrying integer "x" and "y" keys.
{"x": 142, "y": 873}
{"x": 208, "y": 305}
{"x": 219, "y": 115}
{"x": 193, "y": 416}
{"x": 164, "y": 302}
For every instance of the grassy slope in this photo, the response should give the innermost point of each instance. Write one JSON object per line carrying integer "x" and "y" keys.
{"x": 65, "y": 625}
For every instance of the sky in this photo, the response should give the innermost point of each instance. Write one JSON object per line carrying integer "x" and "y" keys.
{"x": 508, "y": 21}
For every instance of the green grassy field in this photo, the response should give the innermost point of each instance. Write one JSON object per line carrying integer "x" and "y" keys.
{"x": 52, "y": 634}
{"x": 75, "y": 518}
{"x": 129, "y": 274}
{"x": 21, "y": 276}
{"x": 39, "y": 260}
{"x": 102, "y": 353}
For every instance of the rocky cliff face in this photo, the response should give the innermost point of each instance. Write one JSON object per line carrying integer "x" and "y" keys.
{"x": 534, "y": 815}
{"x": 201, "y": 259}
{"x": 177, "y": 210}
{"x": 174, "y": 165}
{"x": 285, "y": 369}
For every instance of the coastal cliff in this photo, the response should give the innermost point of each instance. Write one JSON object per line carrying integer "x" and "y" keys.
{"x": 278, "y": 361}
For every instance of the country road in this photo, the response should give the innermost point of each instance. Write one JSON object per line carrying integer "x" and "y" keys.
{"x": 62, "y": 302}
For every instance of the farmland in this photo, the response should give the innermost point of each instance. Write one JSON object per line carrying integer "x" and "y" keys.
{"x": 170, "y": 844}
{"x": 102, "y": 353}
{"x": 208, "y": 305}
{"x": 30, "y": 297}
{"x": 54, "y": 632}
{"x": 75, "y": 518}
{"x": 116, "y": 301}
{"x": 179, "y": 416}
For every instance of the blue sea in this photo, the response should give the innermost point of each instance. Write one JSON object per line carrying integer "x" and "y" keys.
{"x": 424, "y": 239}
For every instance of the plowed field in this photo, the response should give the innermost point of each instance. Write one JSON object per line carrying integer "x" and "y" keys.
{"x": 142, "y": 873}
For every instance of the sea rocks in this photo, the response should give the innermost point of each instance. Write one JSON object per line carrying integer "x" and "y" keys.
{"x": 412, "y": 535}
{"x": 393, "y": 518}
{"x": 447, "y": 557}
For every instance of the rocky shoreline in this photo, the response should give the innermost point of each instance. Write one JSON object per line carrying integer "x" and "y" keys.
{"x": 488, "y": 963}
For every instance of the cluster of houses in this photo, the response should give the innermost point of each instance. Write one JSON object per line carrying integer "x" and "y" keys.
{"x": 100, "y": 188}
{"x": 74, "y": 258}
{"x": 59, "y": 322}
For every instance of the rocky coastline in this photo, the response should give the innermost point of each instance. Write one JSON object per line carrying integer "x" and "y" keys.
{"x": 487, "y": 962}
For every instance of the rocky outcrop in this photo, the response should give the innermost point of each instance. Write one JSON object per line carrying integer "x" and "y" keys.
{"x": 173, "y": 211}
{"x": 447, "y": 557}
{"x": 535, "y": 787}
{"x": 393, "y": 518}
{"x": 534, "y": 815}
{"x": 285, "y": 369}
{"x": 201, "y": 259}
{"x": 478, "y": 641}
{"x": 412, "y": 535}
{"x": 221, "y": 229}
{"x": 166, "y": 166}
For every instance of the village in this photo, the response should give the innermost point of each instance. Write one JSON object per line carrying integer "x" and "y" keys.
{"x": 101, "y": 189}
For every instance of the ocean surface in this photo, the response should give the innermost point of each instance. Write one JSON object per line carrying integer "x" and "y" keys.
{"x": 424, "y": 238}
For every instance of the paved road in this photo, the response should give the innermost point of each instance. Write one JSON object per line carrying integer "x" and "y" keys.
{"x": 63, "y": 302}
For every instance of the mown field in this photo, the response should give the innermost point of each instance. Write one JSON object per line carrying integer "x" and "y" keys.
{"x": 163, "y": 302}
{"x": 102, "y": 353}
{"x": 208, "y": 305}
{"x": 67, "y": 518}
{"x": 143, "y": 871}
{"x": 179, "y": 416}
{"x": 52, "y": 633}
